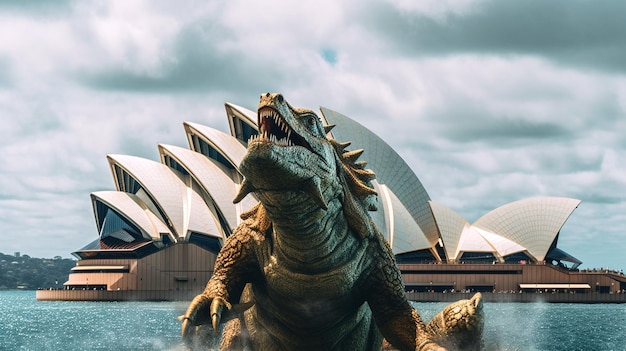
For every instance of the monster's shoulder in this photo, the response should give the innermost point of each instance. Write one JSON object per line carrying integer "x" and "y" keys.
{"x": 247, "y": 237}
{"x": 255, "y": 224}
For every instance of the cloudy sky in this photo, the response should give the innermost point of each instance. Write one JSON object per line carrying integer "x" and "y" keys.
{"x": 488, "y": 101}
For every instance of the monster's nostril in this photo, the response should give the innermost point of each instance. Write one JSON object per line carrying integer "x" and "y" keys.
{"x": 280, "y": 98}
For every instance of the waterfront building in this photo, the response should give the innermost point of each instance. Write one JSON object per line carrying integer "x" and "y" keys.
{"x": 161, "y": 228}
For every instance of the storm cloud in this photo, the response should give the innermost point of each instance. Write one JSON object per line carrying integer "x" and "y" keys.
{"x": 488, "y": 101}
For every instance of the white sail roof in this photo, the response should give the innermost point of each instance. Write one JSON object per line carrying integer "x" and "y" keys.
{"x": 532, "y": 223}
{"x": 134, "y": 210}
{"x": 167, "y": 191}
{"x": 529, "y": 226}
{"x": 404, "y": 235}
{"x": 213, "y": 178}
{"x": 226, "y": 145}
{"x": 191, "y": 190}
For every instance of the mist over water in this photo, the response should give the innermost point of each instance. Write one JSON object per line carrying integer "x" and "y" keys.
{"x": 541, "y": 326}
{"x": 27, "y": 324}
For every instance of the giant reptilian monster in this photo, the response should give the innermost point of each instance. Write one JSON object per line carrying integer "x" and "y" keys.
{"x": 307, "y": 269}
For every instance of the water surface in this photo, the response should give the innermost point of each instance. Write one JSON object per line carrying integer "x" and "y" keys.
{"x": 27, "y": 324}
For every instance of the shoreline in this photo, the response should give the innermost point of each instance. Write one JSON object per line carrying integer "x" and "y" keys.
{"x": 153, "y": 295}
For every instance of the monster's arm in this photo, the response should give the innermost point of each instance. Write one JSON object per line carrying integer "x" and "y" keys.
{"x": 235, "y": 266}
{"x": 396, "y": 319}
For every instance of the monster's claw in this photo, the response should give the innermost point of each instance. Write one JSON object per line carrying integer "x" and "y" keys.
{"x": 217, "y": 306}
{"x": 215, "y": 321}
{"x": 196, "y": 314}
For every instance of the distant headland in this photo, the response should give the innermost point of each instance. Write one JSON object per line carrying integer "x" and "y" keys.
{"x": 19, "y": 271}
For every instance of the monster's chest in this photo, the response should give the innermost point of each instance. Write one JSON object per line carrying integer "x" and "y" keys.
{"x": 339, "y": 281}
{"x": 335, "y": 282}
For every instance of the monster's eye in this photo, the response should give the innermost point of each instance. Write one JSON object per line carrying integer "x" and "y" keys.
{"x": 309, "y": 120}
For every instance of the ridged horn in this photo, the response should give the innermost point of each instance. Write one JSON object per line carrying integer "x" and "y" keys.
{"x": 245, "y": 189}
{"x": 329, "y": 127}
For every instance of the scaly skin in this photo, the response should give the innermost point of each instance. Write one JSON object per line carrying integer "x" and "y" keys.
{"x": 308, "y": 258}
{"x": 460, "y": 325}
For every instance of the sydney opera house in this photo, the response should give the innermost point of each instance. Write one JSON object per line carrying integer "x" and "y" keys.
{"x": 161, "y": 228}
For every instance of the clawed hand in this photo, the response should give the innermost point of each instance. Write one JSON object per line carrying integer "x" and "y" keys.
{"x": 201, "y": 310}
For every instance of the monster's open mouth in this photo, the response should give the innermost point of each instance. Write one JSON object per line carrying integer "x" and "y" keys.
{"x": 274, "y": 128}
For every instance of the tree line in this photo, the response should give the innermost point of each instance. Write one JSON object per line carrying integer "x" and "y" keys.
{"x": 25, "y": 272}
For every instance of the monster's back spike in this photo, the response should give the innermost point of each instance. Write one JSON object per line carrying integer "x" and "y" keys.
{"x": 345, "y": 144}
{"x": 328, "y": 128}
{"x": 352, "y": 156}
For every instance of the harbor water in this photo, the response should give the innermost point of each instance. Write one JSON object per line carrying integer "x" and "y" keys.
{"x": 27, "y": 324}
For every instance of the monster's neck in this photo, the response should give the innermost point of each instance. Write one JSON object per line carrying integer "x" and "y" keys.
{"x": 307, "y": 237}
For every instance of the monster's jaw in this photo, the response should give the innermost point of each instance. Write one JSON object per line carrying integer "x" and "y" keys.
{"x": 274, "y": 128}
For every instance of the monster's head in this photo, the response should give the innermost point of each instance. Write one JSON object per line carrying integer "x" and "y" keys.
{"x": 291, "y": 162}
